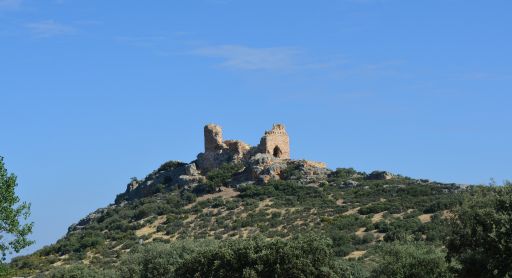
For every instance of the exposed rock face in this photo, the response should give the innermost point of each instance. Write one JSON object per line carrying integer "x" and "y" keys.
{"x": 349, "y": 183}
{"x": 132, "y": 185}
{"x": 308, "y": 172}
{"x": 191, "y": 170}
{"x": 88, "y": 219}
{"x": 265, "y": 167}
{"x": 179, "y": 175}
{"x": 191, "y": 177}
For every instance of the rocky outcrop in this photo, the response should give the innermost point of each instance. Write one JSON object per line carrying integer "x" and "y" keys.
{"x": 168, "y": 176}
{"x": 265, "y": 167}
{"x": 307, "y": 172}
{"x": 89, "y": 219}
{"x": 262, "y": 168}
{"x": 380, "y": 175}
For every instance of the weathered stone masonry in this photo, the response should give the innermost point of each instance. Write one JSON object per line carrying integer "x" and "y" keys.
{"x": 212, "y": 138}
{"x": 275, "y": 142}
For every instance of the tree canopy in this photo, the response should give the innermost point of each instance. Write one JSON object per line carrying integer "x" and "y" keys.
{"x": 14, "y": 230}
{"x": 481, "y": 233}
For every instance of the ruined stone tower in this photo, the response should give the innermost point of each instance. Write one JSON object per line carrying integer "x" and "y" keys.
{"x": 276, "y": 142}
{"x": 218, "y": 151}
{"x": 212, "y": 138}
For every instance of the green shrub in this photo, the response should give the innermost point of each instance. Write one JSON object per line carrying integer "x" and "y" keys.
{"x": 4, "y": 270}
{"x": 380, "y": 207}
{"x": 81, "y": 271}
{"x": 309, "y": 256}
{"x": 410, "y": 260}
{"x": 292, "y": 172}
{"x": 481, "y": 233}
{"x": 205, "y": 188}
{"x": 170, "y": 165}
{"x": 158, "y": 259}
{"x": 220, "y": 176}
{"x": 442, "y": 204}
{"x": 78, "y": 242}
{"x": 342, "y": 174}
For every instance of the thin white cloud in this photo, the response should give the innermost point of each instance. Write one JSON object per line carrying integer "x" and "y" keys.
{"x": 10, "y": 4}
{"x": 49, "y": 28}
{"x": 249, "y": 58}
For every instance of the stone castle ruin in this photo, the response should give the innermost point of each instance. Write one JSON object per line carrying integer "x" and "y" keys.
{"x": 269, "y": 160}
{"x": 274, "y": 142}
{"x": 263, "y": 162}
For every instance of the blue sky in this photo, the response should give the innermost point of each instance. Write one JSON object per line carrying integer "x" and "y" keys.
{"x": 95, "y": 92}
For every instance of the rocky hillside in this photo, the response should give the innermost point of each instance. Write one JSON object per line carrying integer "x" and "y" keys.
{"x": 259, "y": 197}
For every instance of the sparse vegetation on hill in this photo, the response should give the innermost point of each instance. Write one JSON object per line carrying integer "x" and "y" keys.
{"x": 389, "y": 226}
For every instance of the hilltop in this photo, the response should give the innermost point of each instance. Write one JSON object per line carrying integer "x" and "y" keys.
{"x": 234, "y": 191}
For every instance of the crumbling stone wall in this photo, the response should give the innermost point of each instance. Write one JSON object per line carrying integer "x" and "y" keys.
{"x": 237, "y": 147}
{"x": 276, "y": 142}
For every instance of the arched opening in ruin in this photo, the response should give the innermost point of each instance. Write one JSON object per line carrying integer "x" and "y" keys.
{"x": 277, "y": 152}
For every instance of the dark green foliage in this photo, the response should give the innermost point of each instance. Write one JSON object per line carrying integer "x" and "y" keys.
{"x": 287, "y": 193}
{"x": 13, "y": 232}
{"x": 380, "y": 207}
{"x": 412, "y": 260}
{"x": 170, "y": 165}
{"x": 481, "y": 233}
{"x": 217, "y": 178}
{"x": 343, "y": 174}
{"x": 205, "y": 188}
{"x": 292, "y": 172}
{"x": 304, "y": 257}
{"x": 5, "y": 270}
{"x": 403, "y": 230}
{"x": 401, "y": 194}
{"x": 81, "y": 271}
{"x": 149, "y": 209}
{"x": 340, "y": 230}
{"x": 78, "y": 242}
{"x": 347, "y": 222}
{"x": 220, "y": 176}
{"x": 158, "y": 259}
{"x": 442, "y": 204}
{"x": 436, "y": 230}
